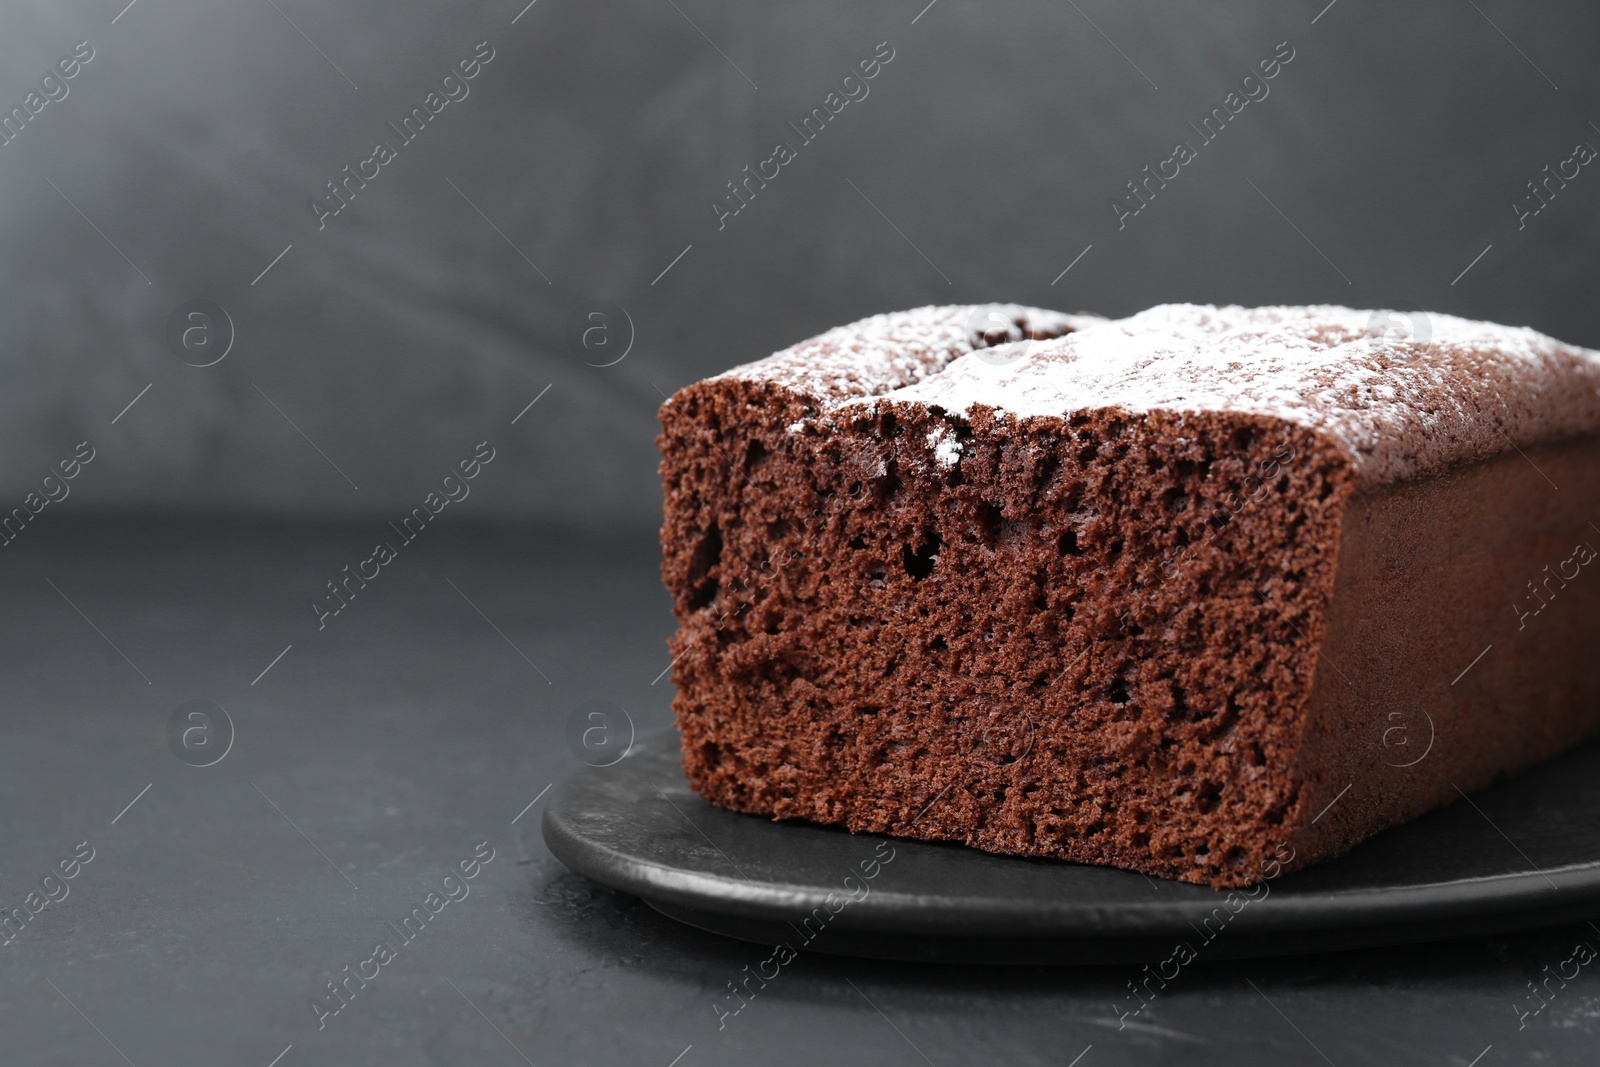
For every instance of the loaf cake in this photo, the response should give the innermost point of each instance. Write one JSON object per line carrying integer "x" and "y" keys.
{"x": 1188, "y": 593}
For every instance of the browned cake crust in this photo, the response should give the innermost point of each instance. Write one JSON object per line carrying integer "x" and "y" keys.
{"x": 1100, "y": 624}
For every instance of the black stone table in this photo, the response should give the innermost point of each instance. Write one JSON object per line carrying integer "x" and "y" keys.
{"x": 377, "y": 755}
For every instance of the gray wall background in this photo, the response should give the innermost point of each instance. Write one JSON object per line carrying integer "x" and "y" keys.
{"x": 408, "y": 329}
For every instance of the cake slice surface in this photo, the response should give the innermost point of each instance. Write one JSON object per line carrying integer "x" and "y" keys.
{"x": 1189, "y": 593}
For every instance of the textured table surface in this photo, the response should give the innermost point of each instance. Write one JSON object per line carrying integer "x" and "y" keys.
{"x": 377, "y": 754}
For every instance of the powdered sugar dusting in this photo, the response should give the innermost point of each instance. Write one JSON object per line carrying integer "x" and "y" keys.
{"x": 1397, "y": 408}
{"x": 946, "y": 449}
{"x": 886, "y": 352}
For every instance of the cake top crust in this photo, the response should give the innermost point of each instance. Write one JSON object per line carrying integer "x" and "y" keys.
{"x": 1402, "y": 395}
{"x": 887, "y": 352}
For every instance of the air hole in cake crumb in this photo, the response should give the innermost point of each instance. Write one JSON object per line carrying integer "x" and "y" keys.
{"x": 1067, "y": 545}
{"x": 1254, "y": 756}
{"x": 1140, "y": 840}
{"x": 1244, "y": 439}
{"x": 755, "y": 454}
{"x": 989, "y": 522}
{"x": 888, "y": 425}
{"x": 1206, "y": 800}
{"x": 1019, "y": 532}
{"x": 1175, "y": 500}
{"x": 938, "y": 645}
{"x": 888, "y": 483}
{"x": 855, "y": 489}
{"x": 1094, "y": 829}
{"x": 778, "y": 529}
{"x": 858, "y": 543}
{"x": 707, "y": 554}
{"x": 919, "y": 563}
{"x": 1225, "y": 721}
{"x": 1119, "y": 692}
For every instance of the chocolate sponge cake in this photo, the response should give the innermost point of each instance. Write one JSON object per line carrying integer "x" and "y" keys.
{"x": 1188, "y": 592}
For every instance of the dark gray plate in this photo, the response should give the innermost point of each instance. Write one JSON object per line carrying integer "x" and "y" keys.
{"x": 1524, "y": 853}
